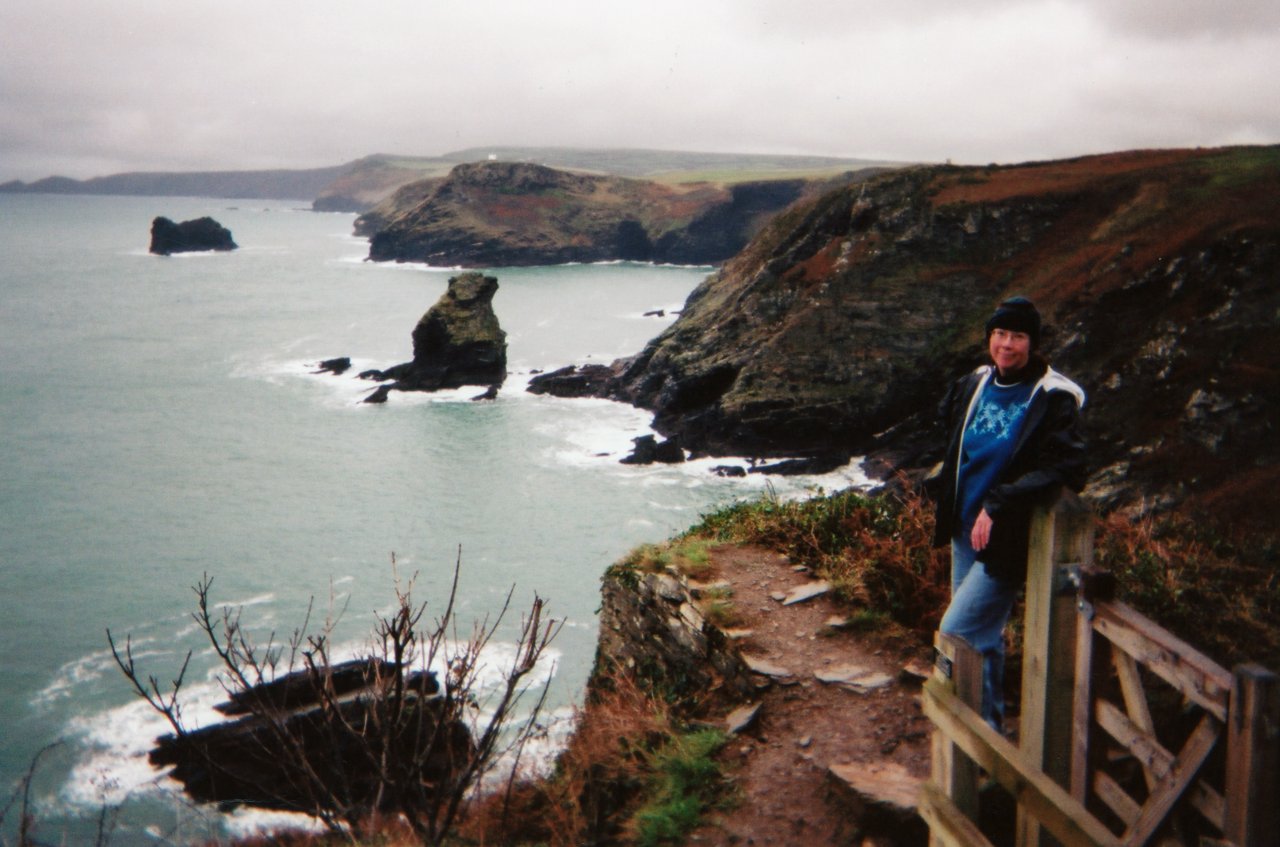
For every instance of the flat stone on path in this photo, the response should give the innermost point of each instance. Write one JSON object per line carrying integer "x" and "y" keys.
{"x": 741, "y": 718}
{"x": 765, "y": 667}
{"x": 917, "y": 669}
{"x": 806, "y": 592}
{"x": 854, "y": 677}
{"x": 887, "y": 785}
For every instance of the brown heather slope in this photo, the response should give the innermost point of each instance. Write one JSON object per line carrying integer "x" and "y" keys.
{"x": 836, "y": 329}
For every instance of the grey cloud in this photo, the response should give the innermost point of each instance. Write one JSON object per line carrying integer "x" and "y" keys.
{"x": 145, "y": 84}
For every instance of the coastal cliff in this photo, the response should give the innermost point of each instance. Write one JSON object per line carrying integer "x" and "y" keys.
{"x": 490, "y": 214}
{"x": 836, "y": 329}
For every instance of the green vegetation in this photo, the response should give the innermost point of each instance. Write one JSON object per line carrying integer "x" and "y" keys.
{"x": 684, "y": 781}
{"x": 1240, "y": 166}
{"x": 688, "y": 554}
{"x": 717, "y": 605}
{"x": 876, "y": 551}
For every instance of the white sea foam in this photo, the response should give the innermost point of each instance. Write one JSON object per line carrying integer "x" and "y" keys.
{"x": 403, "y": 266}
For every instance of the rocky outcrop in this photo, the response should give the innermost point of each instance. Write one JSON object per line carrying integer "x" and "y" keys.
{"x": 574, "y": 381}
{"x": 647, "y": 449}
{"x": 255, "y": 758}
{"x": 457, "y": 342}
{"x": 490, "y": 214}
{"x": 193, "y": 236}
{"x": 650, "y": 626}
{"x": 836, "y": 329}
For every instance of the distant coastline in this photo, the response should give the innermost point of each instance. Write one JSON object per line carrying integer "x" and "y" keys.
{"x": 358, "y": 185}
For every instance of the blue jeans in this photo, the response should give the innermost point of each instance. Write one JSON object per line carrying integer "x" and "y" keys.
{"x": 979, "y": 610}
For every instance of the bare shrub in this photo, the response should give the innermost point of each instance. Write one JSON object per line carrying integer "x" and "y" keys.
{"x": 401, "y": 734}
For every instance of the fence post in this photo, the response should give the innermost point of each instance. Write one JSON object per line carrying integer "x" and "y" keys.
{"x": 1252, "y": 813}
{"x": 953, "y": 772}
{"x": 1061, "y": 544}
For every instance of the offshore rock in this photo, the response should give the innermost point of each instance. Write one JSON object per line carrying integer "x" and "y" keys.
{"x": 199, "y": 235}
{"x": 336, "y": 366}
{"x": 457, "y": 342}
{"x": 648, "y": 450}
{"x": 255, "y": 759}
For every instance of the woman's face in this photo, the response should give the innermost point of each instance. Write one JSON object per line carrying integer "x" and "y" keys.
{"x": 1010, "y": 350}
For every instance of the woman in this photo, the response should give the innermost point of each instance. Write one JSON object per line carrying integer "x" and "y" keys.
{"x": 1013, "y": 441}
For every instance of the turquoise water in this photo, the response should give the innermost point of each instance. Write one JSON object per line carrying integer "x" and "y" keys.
{"x": 159, "y": 421}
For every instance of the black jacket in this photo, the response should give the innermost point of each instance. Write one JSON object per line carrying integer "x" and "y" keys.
{"x": 1049, "y": 454}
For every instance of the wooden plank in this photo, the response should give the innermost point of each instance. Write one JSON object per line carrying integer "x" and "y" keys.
{"x": 953, "y": 772}
{"x": 1172, "y": 659}
{"x": 1117, "y": 799}
{"x": 1056, "y": 810}
{"x": 948, "y": 826}
{"x": 1210, "y": 803}
{"x": 1156, "y": 761}
{"x": 1061, "y": 541}
{"x": 1135, "y": 698}
{"x": 1144, "y": 747}
{"x": 1172, "y": 785}
{"x": 1083, "y": 747}
{"x": 1252, "y": 811}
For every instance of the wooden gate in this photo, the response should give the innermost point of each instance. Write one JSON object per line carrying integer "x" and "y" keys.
{"x": 1092, "y": 766}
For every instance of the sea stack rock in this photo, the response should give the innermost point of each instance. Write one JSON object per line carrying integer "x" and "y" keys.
{"x": 198, "y": 235}
{"x": 458, "y": 341}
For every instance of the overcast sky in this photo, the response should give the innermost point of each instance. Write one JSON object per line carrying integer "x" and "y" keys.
{"x": 91, "y": 87}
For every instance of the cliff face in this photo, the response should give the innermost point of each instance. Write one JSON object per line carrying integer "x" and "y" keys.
{"x": 492, "y": 214}
{"x": 838, "y": 327}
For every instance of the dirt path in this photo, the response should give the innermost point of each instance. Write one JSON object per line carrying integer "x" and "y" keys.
{"x": 804, "y": 725}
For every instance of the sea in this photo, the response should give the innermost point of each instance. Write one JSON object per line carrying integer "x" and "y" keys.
{"x": 162, "y": 423}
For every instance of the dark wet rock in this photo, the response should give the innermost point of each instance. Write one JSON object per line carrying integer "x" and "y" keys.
{"x": 337, "y": 367}
{"x": 729, "y": 470}
{"x": 253, "y": 760}
{"x": 491, "y": 393}
{"x": 649, "y": 450}
{"x": 379, "y": 394}
{"x": 201, "y": 234}
{"x": 574, "y": 381}
{"x": 457, "y": 342}
{"x": 814, "y": 465}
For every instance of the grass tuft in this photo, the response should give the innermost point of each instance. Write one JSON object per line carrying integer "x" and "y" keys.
{"x": 685, "y": 780}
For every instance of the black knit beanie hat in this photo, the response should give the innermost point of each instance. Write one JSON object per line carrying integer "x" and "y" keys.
{"x": 1018, "y": 314}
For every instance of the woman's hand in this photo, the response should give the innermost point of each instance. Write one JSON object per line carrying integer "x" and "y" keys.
{"x": 981, "y": 535}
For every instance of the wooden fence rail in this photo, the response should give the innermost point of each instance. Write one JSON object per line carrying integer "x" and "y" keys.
{"x": 1093, "y": 767}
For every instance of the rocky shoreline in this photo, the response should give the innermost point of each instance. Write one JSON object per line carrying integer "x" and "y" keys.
{"x": 835, "y": 330}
